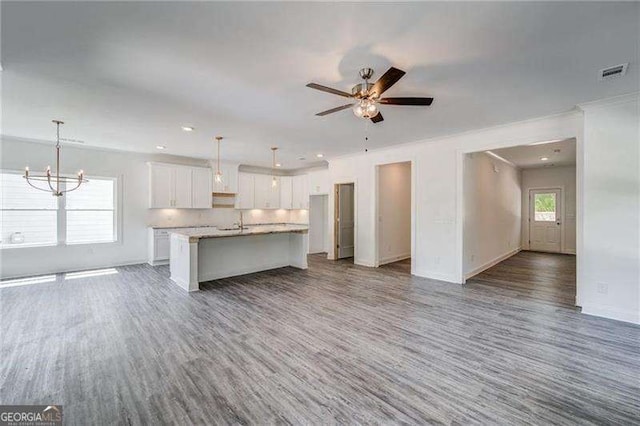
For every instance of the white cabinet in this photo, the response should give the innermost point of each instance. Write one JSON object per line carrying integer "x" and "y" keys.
{"x": 201, "y": 188}
{"x": 182, "y": 197}
{"x": 246, "y": 191}
{"x": 285, "y": 192}
{"x": 161, "y": 186}
{"x": 158, "y": 246}
{"x": 300, "y": 192}
{"x": 318, "y": 182}
{"x": 175, "y": 186}
{"x": 229, "y": 180}
{"x": 267, "y": 196}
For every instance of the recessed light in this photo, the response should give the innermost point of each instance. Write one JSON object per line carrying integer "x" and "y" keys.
{"x": 187, "y": 128}
{"x": 544, "y": 158}
{"x": 278, "y": 165}
{"x": 319, "y": 155}
{"x": 301, "y": 158}
{"x": 160, "y": 147}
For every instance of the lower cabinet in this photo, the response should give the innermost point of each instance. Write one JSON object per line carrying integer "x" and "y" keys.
{"x": 158, "y": 247}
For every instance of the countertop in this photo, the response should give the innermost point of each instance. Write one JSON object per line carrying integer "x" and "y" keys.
{"x": 215, "y": 226}
{"x": 195, "y": 233}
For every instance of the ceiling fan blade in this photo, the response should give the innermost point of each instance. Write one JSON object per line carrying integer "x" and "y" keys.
{"x": 329, "y": 90}
{"x": 406, "y": 101}
{"x": 388, "y": 79}
{"x": 336, "y": 109}
{"x": 377, "y": 118}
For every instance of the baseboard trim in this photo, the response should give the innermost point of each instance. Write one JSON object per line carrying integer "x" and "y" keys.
{"x": 491, "y": 263}
{"x": 611, "y": 313}
{"x": 363, "y": 263}
{"x": 67, "y": 270}
{"x": 438, "y": 276}
{"x": 392, "y": 259}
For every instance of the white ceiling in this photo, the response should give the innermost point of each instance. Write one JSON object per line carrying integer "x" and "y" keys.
{"x": 560, "y": 153}
{"x": 128, "y": 75}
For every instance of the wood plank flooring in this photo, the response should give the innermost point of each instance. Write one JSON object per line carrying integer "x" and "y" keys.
{"x": 337, "y": 343}
{"x": 545, "y": 277}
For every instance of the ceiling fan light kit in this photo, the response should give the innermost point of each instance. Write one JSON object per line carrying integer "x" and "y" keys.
{"x": 367, "y": 95}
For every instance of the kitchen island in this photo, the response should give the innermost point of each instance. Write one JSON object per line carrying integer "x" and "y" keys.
{"x": 206, "y": 253}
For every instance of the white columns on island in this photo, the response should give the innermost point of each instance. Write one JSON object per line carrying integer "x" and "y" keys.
{"x": 217, "y": 254}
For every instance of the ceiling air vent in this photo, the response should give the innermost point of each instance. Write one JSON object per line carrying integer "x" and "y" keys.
{"x": 613, "y": 72}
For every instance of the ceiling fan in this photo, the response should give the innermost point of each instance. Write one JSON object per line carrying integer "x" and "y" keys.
{"x": 367, "y": 95}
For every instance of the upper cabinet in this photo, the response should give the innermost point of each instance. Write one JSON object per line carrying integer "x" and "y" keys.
{"x": 229, "y": 181}
{"x": 286, "y": 194}
{"x": 246, "y": 191}
{"x": 201, "y": 188}
{"x": 257, "y": 191}
{"x": 267, "y": 193}
{"x": 300, "y": 192}
{"x": 175, "y": 186}
{"x": 319, "y": 182}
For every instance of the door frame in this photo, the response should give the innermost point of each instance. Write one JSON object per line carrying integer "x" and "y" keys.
{"x": 552, "y": 135}
{"x": 412, "y": 179}
{"x": 336, "y": 230}
{"x": 559, "y": 188}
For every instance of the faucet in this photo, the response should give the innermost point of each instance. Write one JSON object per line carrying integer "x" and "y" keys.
{"x": 241, "y": 221}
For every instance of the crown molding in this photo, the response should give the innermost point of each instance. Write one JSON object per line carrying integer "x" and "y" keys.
{"x": 615, "y": 100}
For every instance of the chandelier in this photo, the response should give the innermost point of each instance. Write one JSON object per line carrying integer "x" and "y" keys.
{"x": 54, "y": 180}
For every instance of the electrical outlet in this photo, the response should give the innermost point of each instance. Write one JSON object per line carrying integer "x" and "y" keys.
{"x": 473, "y": 257}
{"x": 603, "y": 288}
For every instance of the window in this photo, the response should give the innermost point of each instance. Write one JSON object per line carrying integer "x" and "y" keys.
{"x": 28, "y": 216}
{"x": 90, "y": 212}
{"x": 36, "y": 218}
{"x": 545, "y": 207}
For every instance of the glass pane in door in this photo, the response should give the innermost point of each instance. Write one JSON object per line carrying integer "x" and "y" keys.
{"x": 545, "y": 207}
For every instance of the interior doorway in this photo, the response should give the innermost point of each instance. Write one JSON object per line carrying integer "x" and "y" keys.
{"x": 318, "y": 224}
{"x": 393, "y": 212}
{"x": 545, "y": 224}
{"x": 519, "y": 220}
{"x": 344, "y": 221}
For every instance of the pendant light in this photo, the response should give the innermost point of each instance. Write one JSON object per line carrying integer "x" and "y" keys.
{"x": 218, "y": 177}
{"x": 274, "y": 179}
{"x": 54, "y": 180}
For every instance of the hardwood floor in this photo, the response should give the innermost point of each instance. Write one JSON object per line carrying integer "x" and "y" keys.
{"x": 545, "y": 277}
{"x": 337, "y": 343}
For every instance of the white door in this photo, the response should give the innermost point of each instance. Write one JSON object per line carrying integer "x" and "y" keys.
{"x": 545, "y": 220}
{"x": 345, "y": 220}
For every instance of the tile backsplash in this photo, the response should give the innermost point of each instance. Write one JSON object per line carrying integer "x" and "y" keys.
{"x": 222, "y": 217}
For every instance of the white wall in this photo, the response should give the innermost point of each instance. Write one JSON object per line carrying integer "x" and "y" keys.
{"x": 437, "y": 189}
{"x": 492, "y": 212}
{"x": 394, "y": 212}
{"x": 318, "y": 214}
{"x": 610, "y": 259}
{"x": 552, "y": 177}
{"x": 608, "y": 221}
{"x": 134, "y": 215}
